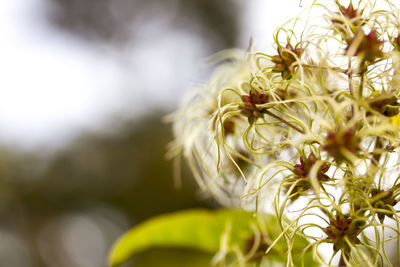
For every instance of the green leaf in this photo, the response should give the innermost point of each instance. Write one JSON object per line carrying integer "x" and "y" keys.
{"x": 201, "y": 230}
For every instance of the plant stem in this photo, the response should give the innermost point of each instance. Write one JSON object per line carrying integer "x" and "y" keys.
{"x": 350, "y": 76}
{"x": 284, "y": 121}
{"x": 342, "y": 261}
{"x": 329, "y": 68}
{"x": 360, "y": 91}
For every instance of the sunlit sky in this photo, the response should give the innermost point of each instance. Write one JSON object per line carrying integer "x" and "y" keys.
{"x": 52, "y": 86}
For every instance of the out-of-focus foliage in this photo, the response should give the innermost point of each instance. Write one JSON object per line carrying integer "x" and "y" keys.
{"x": 100, "y": 176}
{"x": 119, "y": 21}
{"x": 171, "y": 258}
{"x": 66, "y": 208}
{"x": 205, "y": 231}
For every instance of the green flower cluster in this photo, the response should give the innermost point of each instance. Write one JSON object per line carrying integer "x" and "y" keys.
{"x": 313, "y": 126}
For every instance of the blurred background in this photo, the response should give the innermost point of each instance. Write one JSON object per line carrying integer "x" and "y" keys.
{"x": 84, "y": 86}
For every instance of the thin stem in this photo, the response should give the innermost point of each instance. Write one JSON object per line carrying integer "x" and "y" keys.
{"x": 329, "y": 68}
{"x": 350, "y": 76}
{"x": 284, "y": 121}
{"x": 376, "y": 157}
{"x": 343, "y": 258}
{"x": 360, "y": 91}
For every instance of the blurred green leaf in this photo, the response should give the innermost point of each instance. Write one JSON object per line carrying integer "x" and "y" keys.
{"x": 202, "y": 230}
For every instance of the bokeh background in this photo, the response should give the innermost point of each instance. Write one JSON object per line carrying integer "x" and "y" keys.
{"x": 84, "y": 86}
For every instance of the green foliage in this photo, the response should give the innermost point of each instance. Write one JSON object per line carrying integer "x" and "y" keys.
{"x": 206, "y": 231}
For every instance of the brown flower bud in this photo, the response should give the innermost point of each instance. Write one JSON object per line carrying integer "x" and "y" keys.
{"x": 340, "y": 140}
{"x": 285, "y": 61}
{"x": 368, "y": 49}
{"x": 250, "y": 102}
{"x": 343, "y": 226}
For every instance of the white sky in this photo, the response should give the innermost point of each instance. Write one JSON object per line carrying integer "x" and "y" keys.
{"x": 52, "y": 86}
{"x": 49, "y": 83}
